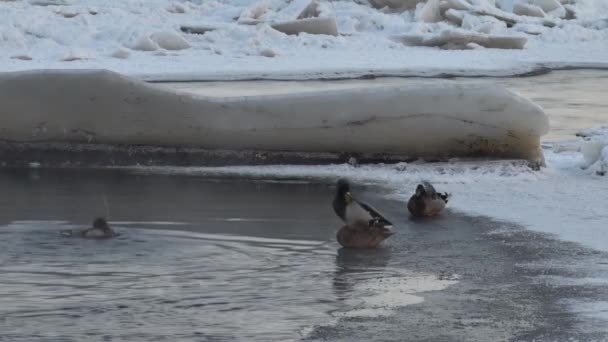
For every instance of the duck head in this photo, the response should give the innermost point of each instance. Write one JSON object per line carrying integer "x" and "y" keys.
{"x": 420, "y": 191}
{"x": 343, "y": 190}
{"x": 101, "y": 223}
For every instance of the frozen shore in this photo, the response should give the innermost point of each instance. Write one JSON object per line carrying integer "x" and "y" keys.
{"x": 428, "y": 120}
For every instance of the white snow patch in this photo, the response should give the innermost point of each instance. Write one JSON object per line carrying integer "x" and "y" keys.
{"x": 121, "y": 53}
{"x": 595, "y": 149}
{"x": 169, "y": 40}
{"x": 48, "y": 29}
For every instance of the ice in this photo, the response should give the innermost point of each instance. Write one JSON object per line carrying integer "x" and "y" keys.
{"x": 505, "y": 190}
{"x": 144, "y": 43}
{"x": 169, "y": 40}
{"x": 223, "y": 39}
{"x": 435, "y": 120}
{"x": 121, "y": 53}
{"x": 594, "y": 148}
{"x": 547, "y": 5}
{"x": 529, "y": 10}
{"x": 326, "y": 25}
{"x": 429, "y": 13}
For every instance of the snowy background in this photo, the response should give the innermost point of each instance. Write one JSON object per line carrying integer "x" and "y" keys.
{"x": 235, "y": 39}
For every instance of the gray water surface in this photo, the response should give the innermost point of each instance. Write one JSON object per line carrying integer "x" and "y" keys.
{"x": 202, "y": 259}
{"x": 197, "y": 259}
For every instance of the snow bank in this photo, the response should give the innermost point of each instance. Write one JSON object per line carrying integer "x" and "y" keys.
{"x": 331, "y": 39}
{"x": 435, "y": 119}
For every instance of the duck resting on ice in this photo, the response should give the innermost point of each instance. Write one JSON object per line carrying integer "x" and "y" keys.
{"x": 427, "y": 201}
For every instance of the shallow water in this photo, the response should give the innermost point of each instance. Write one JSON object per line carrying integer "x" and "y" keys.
{"x": 197, "y": 260}
{"x": 573, "y": 99}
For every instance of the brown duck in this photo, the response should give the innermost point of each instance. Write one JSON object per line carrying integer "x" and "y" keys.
{"x": 100, "y": 230}
{"x": 364, "y": 226}
{"x": 427, "y": 201}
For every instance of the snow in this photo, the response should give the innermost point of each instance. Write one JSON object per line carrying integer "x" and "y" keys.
{"x": 432, "y": 119}
{"x": 238, "y": 36}
{"x": 595, "y": 149}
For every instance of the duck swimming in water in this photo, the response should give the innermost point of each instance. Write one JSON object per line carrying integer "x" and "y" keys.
{"x": 427, "y": 201}
{"x": 364, "y": 226}
{"x": 100, "y": 230}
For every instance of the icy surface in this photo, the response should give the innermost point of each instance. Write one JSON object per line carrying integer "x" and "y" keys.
{"x": 562, "y": 198}
{"x": 238, "y": 37}
{"x": 437, "y": 120}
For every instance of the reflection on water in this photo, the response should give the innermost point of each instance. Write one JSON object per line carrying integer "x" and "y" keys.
{"x": 197, "y": 260}
{"x": 156, "y": 284}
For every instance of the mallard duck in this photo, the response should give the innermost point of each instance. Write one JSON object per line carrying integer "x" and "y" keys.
{"x": 364, "y": 226}
{"x": 427, "y": 201}
{"x": 100, "y": 230}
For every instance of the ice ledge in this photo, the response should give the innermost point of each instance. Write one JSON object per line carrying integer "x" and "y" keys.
{"x": 434, "y": 120}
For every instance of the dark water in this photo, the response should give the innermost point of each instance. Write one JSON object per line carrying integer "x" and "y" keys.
{"x": 198, "y": 259}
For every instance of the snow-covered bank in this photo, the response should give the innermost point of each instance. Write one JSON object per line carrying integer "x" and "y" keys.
{"x": 235, "y": 39}
{"x": 434, "y": 120}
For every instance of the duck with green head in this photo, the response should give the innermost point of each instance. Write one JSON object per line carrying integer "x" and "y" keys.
{"x": 364, "y": 226}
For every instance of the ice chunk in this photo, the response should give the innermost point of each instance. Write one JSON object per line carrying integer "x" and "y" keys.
{"x": 483, "y": 24}
{"x": 49, "y": 2}
{"x": 430, "y": 12}
{"x": 529, "y": 10}
{"x": 547, "y": 5}
{"x": 434, "y": 119}
{"x": 268, "y": 53}
{"x": 144, "y": 43}
{"x": 11, "y": 37}
{"x": 254, "y": 12}
{"x": 170, "y": 40}
{"x": 458, "y": 38}
{"x": 300, "y": 9}
{"x": 22, "y": 57}
{"x": 121, "y": 53}
{"x": 324, "y": 25}
{"x": 462, "y": 5}
{"x": 197, "y": 29}
{"x": 455, "y": 16}
{"x": 395, "y": 4}
{"x": 176, "y": 8}
{"x": 77, "y": 55}
{"x": 595, "y": 148}
{"x": 505, "y": 5}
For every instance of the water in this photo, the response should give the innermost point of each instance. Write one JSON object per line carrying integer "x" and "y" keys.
{"x": 197, "y": 260}
{"x": 573, "y": 100}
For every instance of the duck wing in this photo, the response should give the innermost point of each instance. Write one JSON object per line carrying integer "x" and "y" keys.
{"x": 377, "y": 217}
